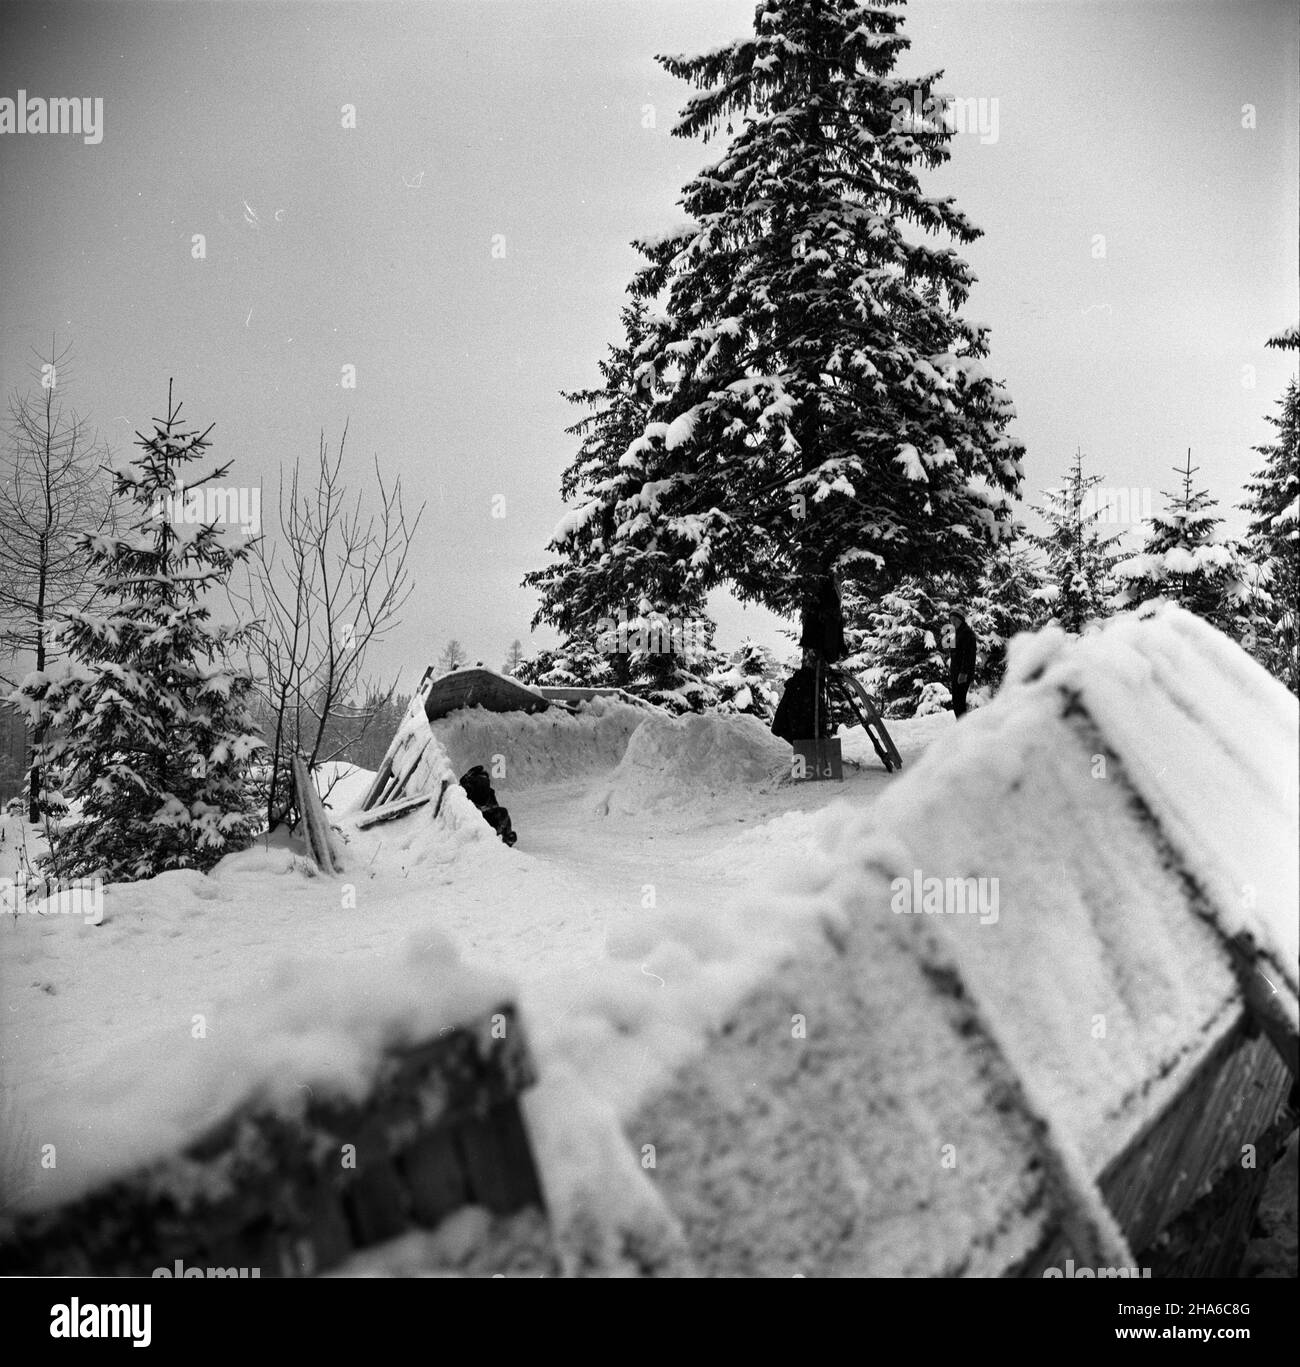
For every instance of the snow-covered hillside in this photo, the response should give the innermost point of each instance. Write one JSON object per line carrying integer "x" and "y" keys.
{"x": 674, "y": 903}
{"x": 104, "y": 1016}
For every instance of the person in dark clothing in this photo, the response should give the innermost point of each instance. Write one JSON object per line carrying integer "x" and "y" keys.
{"x": 823, "y": 622}
{"x": 801, "y": 714}
{"x": 478, "y": 788}
{"x": 961, "y": 663}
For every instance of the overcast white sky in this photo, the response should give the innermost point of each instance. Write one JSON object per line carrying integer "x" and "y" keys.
{"x": 525, "y": 118}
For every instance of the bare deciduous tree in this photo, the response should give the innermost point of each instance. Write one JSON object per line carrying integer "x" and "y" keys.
{"x": 327, "y": 589}
{"x": 53, "y": 488}
{"x": 452, "y": 657}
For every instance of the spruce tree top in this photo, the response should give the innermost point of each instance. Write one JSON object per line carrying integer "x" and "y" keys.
{"x": 1273, "y": 498}
{"x": 1079, "y": 557}
{"x": 1273, "y": 502}
{"x": 1184, "y": 560}
{"x": 816, "y": 401}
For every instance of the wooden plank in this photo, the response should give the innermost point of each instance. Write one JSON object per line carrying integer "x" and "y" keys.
{"x": 399, "y": 785}
{"x": 374, "y": 1197}
{"x": 378, "y": 783}
{"x": 864, "y": 708}
{"x": 497, "y": 1160}
{"x": 1264, "y": 1000}
{"x": 1209, "y": 1238}
{"x": 1272, "y": 1005}
{"x": 390, "y": 811}
{"x": 435, "y": 1178}
{"x": 1186, "y": 1161}
{"x": 315, "y": 821}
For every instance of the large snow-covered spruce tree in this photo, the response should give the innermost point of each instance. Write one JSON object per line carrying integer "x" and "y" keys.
{"x": 814, "y": 402}
{"x": 637, "y": 622}
{"x": 1184, "y": 560}
{"x": 1273, "y": 503}
{"x": 584, "y": 583}
{"x": 1079, "y": 557}
{"x": 154, "y": 733}
{"x": 575, "y": 662}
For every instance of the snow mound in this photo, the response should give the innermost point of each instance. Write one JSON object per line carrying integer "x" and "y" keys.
{"x": 846, "y": 1076}
{"x": 692, "y": 758}
{"x": 1175, "y": 701}
{"x": 317, "y": 1023}
{"x": 526, "y": 749}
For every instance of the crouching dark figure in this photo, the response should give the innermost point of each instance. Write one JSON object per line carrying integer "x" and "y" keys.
{"x": 478, "y": 788}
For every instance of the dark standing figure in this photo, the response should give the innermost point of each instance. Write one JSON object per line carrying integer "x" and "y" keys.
{"x": 823, "y": 622}
{"x": 961, "y": 667}
{"x": 802, "y": 714}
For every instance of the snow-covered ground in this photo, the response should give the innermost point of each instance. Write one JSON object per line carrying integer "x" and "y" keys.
{"x": 113, "y": 1031}
{"x": 667, "y": 873}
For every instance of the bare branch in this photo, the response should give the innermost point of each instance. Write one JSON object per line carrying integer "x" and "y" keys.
{"x": 332, "y": 585}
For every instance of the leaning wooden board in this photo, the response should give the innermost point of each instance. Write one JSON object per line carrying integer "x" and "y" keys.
{"x": 315, "y": 822}
{"x": 1181, "y": 1189}
{"x": 873, "y": 724}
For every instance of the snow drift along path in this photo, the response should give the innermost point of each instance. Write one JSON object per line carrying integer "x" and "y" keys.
{"x": 917, "y": 1089}
{"x": 713, "y": 967}
{"x": 119, "y": 1041}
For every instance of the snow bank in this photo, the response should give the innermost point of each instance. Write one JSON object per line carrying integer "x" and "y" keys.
{"x": 314, "y": 1025}
{"x": 270, "y": 978}
{"x": 689, "y": 759}
{"x": 636, "y": 759}
{"x": 823, "y": 1080}
{"x": 775, "y": 1068}
{"x": 526, "y": 749}
{"x": 1209, "y": 740}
